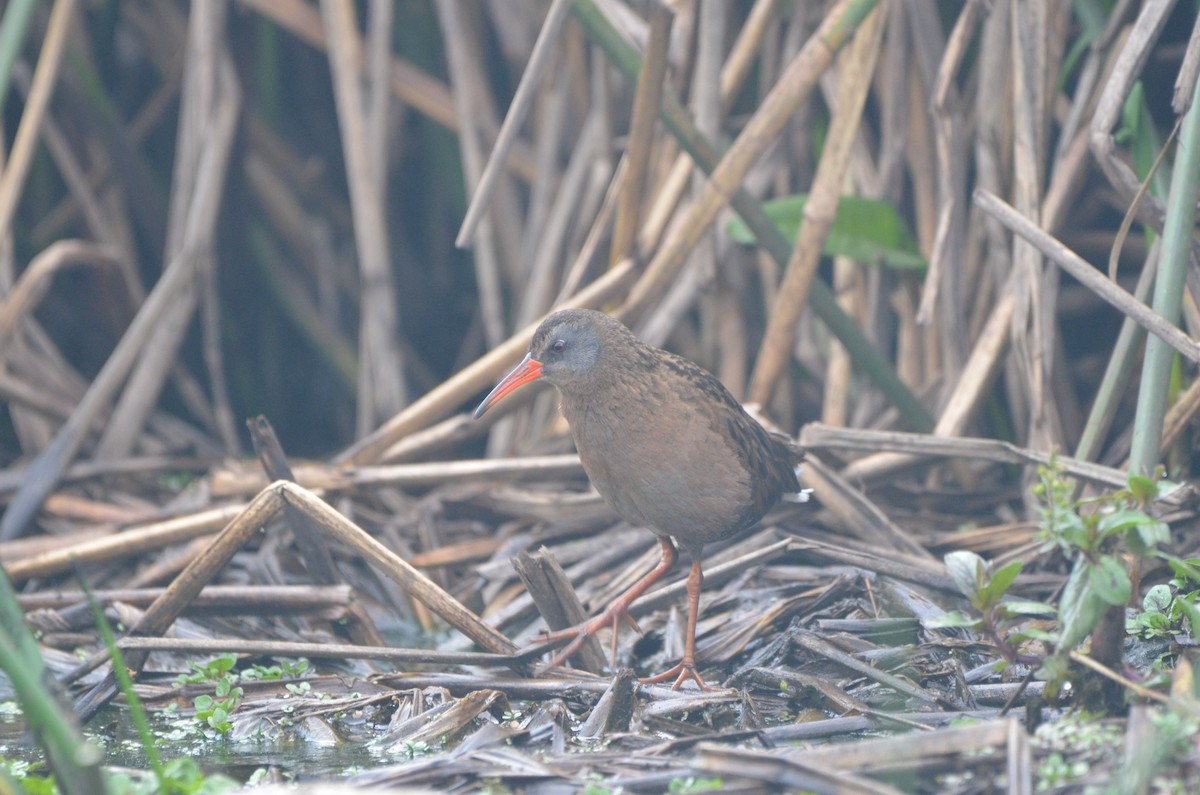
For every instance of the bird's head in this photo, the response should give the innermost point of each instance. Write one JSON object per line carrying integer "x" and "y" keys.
{"x": 567, "y": 350}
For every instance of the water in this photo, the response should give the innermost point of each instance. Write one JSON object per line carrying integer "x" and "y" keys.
{"x": 326, "y": 747}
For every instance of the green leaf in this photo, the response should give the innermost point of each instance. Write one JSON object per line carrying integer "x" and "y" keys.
{"x": 223, "y": 663}
{"x": 1149, "y": 625}
{"x": 1025, "y": 607}
{"x": 867, "y": 230}
{"x": 39, "y": 785}
{"x": 1143, "y": 489}
{"x": 1079, "y": 608}
{"x": 1191, "y": 612}
{"x": 219, "y": 720}
{"x": 1117, "y": 521}
{"x": 1109, "y": 580}
{"x": 1075, "y": 531}
{"x": 184, "y": 772}
{"x": 951, "y": 620}
{"x": 1142, "y": 139}
{"x": 1033, "y": 633}
{"x": 1158, "y": 621}
{"x": 1055, "y": 669}
{"x": 1158, "y": 598}
{"x": 966, "y": 569}
{"x": 1000, "y": 581}
{"x": 1185, "y": 569}
{"x": 1149, "y": 531}
{"x": 1153, "y": 533}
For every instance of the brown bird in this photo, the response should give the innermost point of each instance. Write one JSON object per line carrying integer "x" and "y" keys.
{"x": 664, "y": 443}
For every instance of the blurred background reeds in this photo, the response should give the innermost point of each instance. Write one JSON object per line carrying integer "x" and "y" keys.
{"x": 305, "y": 170}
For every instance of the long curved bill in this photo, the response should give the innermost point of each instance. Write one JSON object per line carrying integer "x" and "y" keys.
{"x": 530, "y": 369}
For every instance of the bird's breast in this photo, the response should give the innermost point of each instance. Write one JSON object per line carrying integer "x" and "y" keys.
{"x": 662, "y": 467}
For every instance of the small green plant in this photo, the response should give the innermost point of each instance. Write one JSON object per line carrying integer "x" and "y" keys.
{"x": 412, "y": 749}
{"x": 215, "y": 711}
{"x": 212, "y": 671}
{"x": 1175, "y": 733}
{"x": 1096, "y": 536}
{"x": 1170, "y": 609}
{"x": 1073, "y": 746}
{"x": 1055, "y": 771}
{"x": 1094, "y": 541}
{"x": 260, "y": 777}
{"x": 1159, "y": 614}
{"x": 286, "y": 669}
{"x": 1000, "y": 618}
{"x": 299, "y": 688}
{"x": 31, "y": 776}
{"x": 181, "y": 776}
{"x": 1093, "y": 536}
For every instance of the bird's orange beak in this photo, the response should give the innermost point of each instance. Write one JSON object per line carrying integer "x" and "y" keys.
{"x": 530, "y": 369}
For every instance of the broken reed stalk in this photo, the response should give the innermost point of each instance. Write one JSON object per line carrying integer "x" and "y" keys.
{"x": 250, "y": 521}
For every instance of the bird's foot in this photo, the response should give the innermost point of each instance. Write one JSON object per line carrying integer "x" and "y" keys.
{"x": 578, "y": 634}
{"x": 682, "y": 672}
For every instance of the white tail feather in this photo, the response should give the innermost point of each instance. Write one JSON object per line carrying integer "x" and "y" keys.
{"x": 799, "y": 496}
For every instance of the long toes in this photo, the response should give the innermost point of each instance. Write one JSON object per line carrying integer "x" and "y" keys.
{"x": 576, "y": 635}
{"x": 567, "y": 651}
{"x": 558, "y": 635}
{"x": 689, "y": 672}
{"x": 681, "y": 673}
{"x": 630, "y": 620}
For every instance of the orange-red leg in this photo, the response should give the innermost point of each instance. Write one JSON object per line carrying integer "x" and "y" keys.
{"x": 686, "y": 669}
{"x": 617, "y": 611}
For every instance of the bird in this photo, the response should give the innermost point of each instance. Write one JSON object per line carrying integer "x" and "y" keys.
{"x": 667, "y": 447}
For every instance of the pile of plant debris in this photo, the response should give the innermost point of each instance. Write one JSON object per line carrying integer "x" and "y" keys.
{"x": 839, "y": 660}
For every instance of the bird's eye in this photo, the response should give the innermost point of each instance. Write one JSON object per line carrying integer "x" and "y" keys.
{"x": 558, "y": 346}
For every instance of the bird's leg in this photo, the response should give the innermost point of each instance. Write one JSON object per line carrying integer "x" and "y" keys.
{"x": 616, "y": 611}
{"x": 686, "y": 669}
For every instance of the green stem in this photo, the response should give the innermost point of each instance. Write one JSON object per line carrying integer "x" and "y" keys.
{"x": 136, "y": 711}
{"x": 1117, "y": 376}
{"x": 76, "y": 763}
{"x": 1168, "y": 293}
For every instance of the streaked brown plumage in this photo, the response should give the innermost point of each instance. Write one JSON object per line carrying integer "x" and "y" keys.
{"x": 663, "y": 442}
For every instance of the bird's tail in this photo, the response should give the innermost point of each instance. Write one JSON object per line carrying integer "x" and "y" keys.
{"x": 796, "y": 452}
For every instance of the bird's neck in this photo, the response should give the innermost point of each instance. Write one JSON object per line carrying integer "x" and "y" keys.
{"x": 609, "y": 401}
{"x": 601, "y": 398}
